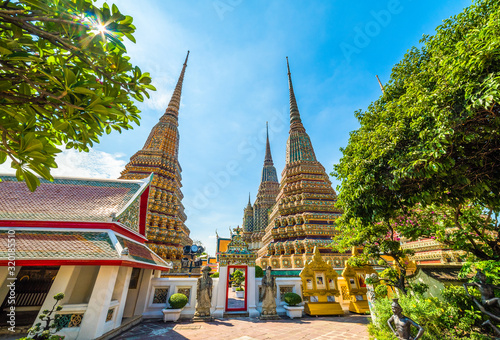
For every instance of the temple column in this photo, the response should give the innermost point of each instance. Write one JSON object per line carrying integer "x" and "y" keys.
{"x": 93, "y": 322}
{"x": 252, "y": 303}
{"x": 220, "y": 305}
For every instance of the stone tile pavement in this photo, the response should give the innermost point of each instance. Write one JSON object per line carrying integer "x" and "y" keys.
{"x": 310, "y": 328}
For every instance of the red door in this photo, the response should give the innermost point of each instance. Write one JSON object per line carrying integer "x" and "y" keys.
{"x": 236, "y": 301}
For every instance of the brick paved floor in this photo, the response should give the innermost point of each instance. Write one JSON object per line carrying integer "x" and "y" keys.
{"x": 311, "y": 328}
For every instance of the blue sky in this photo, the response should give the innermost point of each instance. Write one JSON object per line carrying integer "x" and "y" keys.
{"x": 236, "y": 81}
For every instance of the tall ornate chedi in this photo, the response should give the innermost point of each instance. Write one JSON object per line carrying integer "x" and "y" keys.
{"x": 304, "y": 214}
{"x": 165, "y": 227}
{"x": 256, "y": 218}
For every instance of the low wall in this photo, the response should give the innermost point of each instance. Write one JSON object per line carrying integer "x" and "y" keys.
{"x": 166, "y": 286}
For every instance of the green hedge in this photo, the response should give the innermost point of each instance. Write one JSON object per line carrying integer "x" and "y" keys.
{"x": 177, "y": 301}
{"x": 292, "y": 299}
{"x": 259, "y": 272}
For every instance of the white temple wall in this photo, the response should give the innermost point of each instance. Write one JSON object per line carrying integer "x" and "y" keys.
{"x": 160, "y": 290}
{"x": 283, "y": 285}
{"x": 173, "y": 285}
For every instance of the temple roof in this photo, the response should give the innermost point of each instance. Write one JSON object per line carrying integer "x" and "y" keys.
{"x": 68, "y": 199}
{"x": 88, "y": 246}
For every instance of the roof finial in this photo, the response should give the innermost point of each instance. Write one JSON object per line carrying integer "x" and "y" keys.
{"x": 175, "y": 101}
{"x": 295, "y": 121}
{"x": 268, "y": 160}
{"x": 380, "y": 83}
{"x": 249, "y": 199}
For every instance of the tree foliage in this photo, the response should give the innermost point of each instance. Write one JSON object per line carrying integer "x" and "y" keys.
{"x": 52, "y": 325}
{"x": 64, "y": 79}
{"x": 425, "y": 161}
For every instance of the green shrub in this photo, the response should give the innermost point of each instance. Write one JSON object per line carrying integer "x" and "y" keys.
{"x": 380, "y": 291}
{"x": 216, "y": 274}
{"x": 239, "y": 289}
{"x": 177, "y": 301}
{"x": 259, "y": 272}
{"x": 292, "y": 299}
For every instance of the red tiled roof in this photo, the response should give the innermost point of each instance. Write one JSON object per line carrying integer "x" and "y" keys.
{"x": 65, "y": 199}
{"x": 71, "y": 245}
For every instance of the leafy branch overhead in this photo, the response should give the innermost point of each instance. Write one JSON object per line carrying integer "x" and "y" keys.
{"x": 65, "y": 79}
{"x": 425, "y": 162}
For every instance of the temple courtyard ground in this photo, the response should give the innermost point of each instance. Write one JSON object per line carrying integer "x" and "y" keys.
{"x": 318, "y": 328}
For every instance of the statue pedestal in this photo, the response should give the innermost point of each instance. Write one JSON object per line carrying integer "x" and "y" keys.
{"x": 270, "y": 317}
{"x": 203, "y": 319}
{"x": 323, "y": 308}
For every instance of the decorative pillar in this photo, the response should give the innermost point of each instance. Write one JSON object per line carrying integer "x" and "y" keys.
{"x": 252, "y": 301}
{"x": 121, "y": 291}
{"x": 221, "y": 293}
{"x": 143, "y": 294}
{"x": 95, "y": 316}
{"x": 4, "y": 289}
{"x": 61, "y": 284}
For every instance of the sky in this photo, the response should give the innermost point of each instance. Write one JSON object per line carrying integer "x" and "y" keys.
{"x": 236, "y": 80}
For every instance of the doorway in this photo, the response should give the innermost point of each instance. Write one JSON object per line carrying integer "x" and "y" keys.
{"x": 32, "y": 286}
{"x": 236, "y": 297}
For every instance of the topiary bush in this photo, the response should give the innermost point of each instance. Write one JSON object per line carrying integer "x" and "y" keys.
{"x": 216, "y": 274}
{"x": 239, "y": 289}
{"x": 259, "y": 272}
{"x": 292, "y": 299}
{"x": 177, "y": 301}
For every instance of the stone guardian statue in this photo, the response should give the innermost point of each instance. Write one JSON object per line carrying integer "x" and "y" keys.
{"x": 269, "y": 299}
{"x": 402, "y": 324}
{"x": 204, "y": 294}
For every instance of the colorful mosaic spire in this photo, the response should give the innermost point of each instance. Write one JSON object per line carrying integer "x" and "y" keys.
{"x": 304, "y": 214}
{"x": 165, "y": 229}
{"x": 266, "y": 198}
{"x": 248, "y": 217}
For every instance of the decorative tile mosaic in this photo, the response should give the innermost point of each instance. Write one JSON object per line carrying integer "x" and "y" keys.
{"x": 109, "y": 316}
{"x": 130, "y": 217}
{"x": 69, "y": 320}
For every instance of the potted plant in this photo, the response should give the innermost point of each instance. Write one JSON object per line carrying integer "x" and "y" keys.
{"x": 292, "y": 309}
{"x": 240, "y": 292}
{"x": 176, "y": 304}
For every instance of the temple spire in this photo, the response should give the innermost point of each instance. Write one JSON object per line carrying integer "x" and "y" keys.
{"x": 175, "y": 101}
{"x": 295, "y": 121}
{"x": 249, "y": 204}
{"x": 268, "y": 160}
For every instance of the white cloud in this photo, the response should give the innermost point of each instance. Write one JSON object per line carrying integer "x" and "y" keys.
{"x": 92, "y": 164}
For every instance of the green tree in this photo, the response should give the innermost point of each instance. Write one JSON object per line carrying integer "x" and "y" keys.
{"x": 65, "y": 79}
{"x": 238, "y": 278}
{"x": 431, "y": 142}
{"x": 52, "y": 325}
